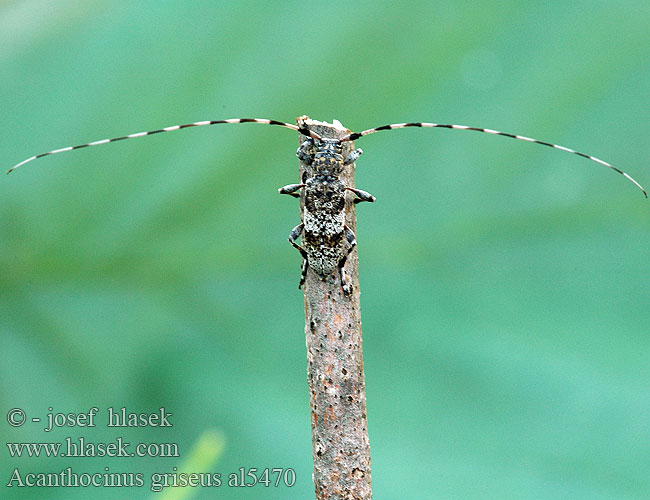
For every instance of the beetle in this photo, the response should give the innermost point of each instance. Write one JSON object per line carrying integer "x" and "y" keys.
{"x": 326, "y": 240}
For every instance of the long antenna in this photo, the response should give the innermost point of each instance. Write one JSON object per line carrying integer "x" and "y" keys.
{"x": 173, "y": 128}
{"x": 356, "y": 135}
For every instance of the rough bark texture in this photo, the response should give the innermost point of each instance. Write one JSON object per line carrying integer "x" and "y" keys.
{"x": 341, "y": 448}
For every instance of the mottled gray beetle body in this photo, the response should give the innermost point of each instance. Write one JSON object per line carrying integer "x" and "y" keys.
{"x": 326, "y": 240}
{"x": 324, "y": 214}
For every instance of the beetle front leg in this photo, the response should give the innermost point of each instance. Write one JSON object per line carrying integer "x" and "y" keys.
{"x": 352, "y": 157}
{"x": 305, "y": 152}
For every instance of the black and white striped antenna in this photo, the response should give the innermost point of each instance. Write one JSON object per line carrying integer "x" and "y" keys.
{"x": 263, "y": 121}
{"x": 301, "y": 128}
{"x": 356, "y": 135}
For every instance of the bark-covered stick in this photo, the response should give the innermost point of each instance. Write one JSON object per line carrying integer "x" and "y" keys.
{"x": 335, "y": 366}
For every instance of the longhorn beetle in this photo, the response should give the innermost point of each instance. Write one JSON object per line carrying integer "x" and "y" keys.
{"x": 326, "y": 240}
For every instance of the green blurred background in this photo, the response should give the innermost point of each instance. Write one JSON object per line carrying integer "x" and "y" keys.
{"x": 505, "y": 285}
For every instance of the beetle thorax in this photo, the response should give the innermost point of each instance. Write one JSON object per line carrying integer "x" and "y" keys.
{"x": 328, "y": 161}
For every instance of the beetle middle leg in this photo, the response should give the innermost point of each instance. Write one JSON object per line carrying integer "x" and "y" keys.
{"x": 291, "y": 189}
{"x": 361, "y": 195}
